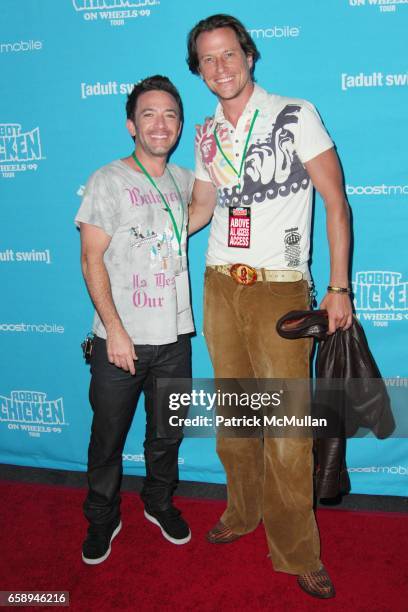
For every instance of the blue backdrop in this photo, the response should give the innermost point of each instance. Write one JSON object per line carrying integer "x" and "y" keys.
{"x": 66, "y": 67}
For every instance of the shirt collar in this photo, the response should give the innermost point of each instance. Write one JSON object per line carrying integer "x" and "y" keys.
{"x": 256, "y": 101}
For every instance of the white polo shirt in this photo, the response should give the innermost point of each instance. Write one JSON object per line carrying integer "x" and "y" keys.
{"x": 286, "y": 134}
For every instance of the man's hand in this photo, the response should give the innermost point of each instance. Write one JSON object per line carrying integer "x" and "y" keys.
{"x": 339, "y": 309}
{"x": 120, "y": 349}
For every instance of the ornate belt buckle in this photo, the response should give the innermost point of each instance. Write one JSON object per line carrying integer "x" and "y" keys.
{"x": 243, "y": 274}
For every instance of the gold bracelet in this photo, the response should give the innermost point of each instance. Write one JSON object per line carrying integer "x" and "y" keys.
{"x": 332, "y": 289}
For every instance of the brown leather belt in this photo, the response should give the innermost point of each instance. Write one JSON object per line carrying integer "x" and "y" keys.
{"x": 247, "y": 275}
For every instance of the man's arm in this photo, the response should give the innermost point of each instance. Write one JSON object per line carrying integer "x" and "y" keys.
{"x": 201, "y": 208}
{"x": 119, "y": 346}
{"x": 325, "y": 173}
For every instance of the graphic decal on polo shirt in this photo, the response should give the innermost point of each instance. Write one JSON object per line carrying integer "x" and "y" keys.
{"x": 272, "y": 167}
{"x": 208, "y": 145}
{"x": 219, "y": 173}
{"x": 292, "y": 240}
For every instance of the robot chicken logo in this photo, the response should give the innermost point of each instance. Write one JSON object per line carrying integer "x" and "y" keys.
{"x": 115, "y": 12}
{"x": 19, "y": 150}
{"x": 31, "y": 412}
{"x": 380, "y": 297}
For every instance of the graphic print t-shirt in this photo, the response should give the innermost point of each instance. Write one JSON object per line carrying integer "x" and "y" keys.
{"x": 287, "y": 133}
{"x": 143, "y": 256}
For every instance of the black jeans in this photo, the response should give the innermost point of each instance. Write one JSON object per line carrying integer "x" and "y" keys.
{"x": 113, "y": 396}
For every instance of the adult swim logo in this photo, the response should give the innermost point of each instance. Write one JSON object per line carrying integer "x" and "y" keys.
{"x": 380, "y": 297}
{"x": 33, "y": 256}
{"x": 114, "y": 12}
{"x": 373, "y": 79}
{"x": 32, "y": 412}
{"x": 109, "y": 88}
{"x": 19, "y": 151}
{"x": 385, "y": 6}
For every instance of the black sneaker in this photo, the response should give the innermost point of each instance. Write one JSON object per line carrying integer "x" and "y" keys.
{"x": 97, "y": 545}
{"x": 173, "y": 527}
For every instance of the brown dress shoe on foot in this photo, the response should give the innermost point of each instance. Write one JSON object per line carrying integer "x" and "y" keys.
{"x": 221, "y": 534}
{"x": 317, "y": 584}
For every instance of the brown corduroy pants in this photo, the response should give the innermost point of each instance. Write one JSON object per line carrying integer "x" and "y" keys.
{"x": 270, "y": 478}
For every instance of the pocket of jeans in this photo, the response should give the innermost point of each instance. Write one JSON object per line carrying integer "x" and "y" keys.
{"x": 209, "y": 278}
{"x": 286, "y": 290}
{"x": 98, "y": 353}
{"x": 209, "y": 273}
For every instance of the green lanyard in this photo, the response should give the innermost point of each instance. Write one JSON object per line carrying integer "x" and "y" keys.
{"x": 229, "y": 162}
{"x": 177, "y": 231}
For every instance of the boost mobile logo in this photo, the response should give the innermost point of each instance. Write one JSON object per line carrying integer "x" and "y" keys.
{"x": 380, "y": 296}
{"x": 385, "y": 6}
{"x": 140, "y": 458}
{"x": 30, "y": 411}
{"x": 92, "y": 10}
{"x": 285, "y": 31}
{"x": 401, "y": 470}
{"x": 21, "y": 46}
{"x": 18, "y": 150}
{"x": 393, "y": 190}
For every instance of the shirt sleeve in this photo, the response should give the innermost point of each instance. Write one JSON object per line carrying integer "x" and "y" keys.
{"x": 313, "y": 138}
{"x": 98, "y": 206}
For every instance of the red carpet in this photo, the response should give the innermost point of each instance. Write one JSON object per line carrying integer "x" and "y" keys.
{"x": 42, "y": 530}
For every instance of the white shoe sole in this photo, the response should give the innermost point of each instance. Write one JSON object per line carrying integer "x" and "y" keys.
{"x": 164, "y": 533}
{"x": 106, "y": 555}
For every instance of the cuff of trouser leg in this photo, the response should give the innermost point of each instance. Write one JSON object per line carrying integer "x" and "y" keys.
{"x": 154, "y": 509}
{"x": 297, "y": 570}
{"x": 239, "y": 531}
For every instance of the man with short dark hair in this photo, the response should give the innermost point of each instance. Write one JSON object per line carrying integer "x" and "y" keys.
{"x": 133, "y": 236}
{"x": 257, "y": 161}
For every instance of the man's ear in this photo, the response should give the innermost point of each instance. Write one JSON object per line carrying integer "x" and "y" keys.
{"x": 250, "y": 61}
{"x": 131, "y": 127}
